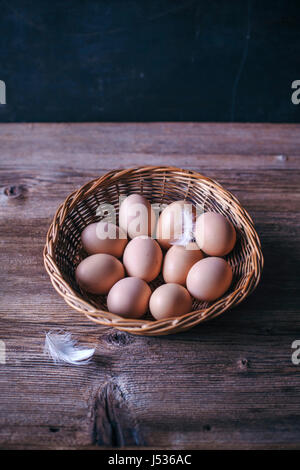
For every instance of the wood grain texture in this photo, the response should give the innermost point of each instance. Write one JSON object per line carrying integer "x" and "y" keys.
{"x": 228, "y": 383}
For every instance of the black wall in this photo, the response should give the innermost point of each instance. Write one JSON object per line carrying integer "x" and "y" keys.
{"x": 174, "y": 60}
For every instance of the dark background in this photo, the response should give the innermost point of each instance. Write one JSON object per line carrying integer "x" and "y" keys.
{"x": 166, "y": 60}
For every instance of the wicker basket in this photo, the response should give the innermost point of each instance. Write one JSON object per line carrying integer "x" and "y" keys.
{"x": 63, "y": 250}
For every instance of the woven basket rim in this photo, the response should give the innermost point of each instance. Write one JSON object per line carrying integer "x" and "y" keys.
{"x": 143, "y": 326}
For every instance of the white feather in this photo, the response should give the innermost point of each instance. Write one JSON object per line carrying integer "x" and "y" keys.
{"x": 60, "y": 347}
{"x": 188, "y": 229}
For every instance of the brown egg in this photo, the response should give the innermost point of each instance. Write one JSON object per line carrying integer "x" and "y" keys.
{"x": 175, "y": 221}
{"x": 129, "y": 297}
{"x": 98, "y": 273}
{"x": 209, "y": 279}
{"x": 104, "y": 237}
{"x": 136, "y": 216}
{"x": 170, "y": 300}
{"x": 178, "y": 261}
{"x": 143, "y": 258}
{"x": 215, "y": 235}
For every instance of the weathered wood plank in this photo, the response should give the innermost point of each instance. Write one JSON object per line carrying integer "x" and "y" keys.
{"x": 227, "y": 383}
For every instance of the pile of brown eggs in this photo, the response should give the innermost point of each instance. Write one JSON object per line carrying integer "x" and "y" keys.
{"x": 188, "y": 250}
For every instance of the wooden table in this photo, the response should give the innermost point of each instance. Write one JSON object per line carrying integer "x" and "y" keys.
{"x": 229, "y": 383}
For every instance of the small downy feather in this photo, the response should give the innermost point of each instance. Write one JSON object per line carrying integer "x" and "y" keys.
{"x": 60, "y": 347}
{"x": 188, "y": 228}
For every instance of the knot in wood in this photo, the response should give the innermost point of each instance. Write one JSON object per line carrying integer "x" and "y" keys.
{"x": 244, "y": 363}
{"x": 206, "y": 427}
{"x": 119, "y": 338}
{"x": 14, "y": 191}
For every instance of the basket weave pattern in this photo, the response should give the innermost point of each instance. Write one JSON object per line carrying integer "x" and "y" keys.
{"x": 163, "y": 185}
